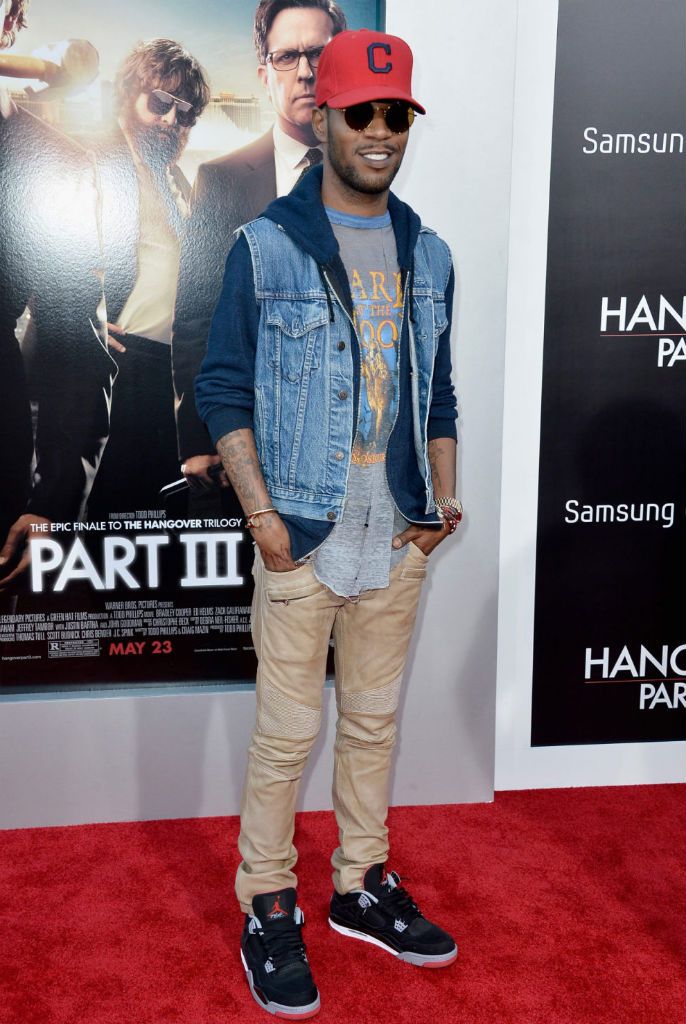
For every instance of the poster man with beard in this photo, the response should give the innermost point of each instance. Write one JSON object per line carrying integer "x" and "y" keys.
{"x": 55, "y": 371}
{"x": 160, "y": 91}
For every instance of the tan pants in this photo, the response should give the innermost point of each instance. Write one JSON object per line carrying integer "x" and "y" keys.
{"x": 293, "y": 618}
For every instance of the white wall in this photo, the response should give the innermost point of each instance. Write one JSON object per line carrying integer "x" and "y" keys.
{"x": 518, "y": 765}
{"x": 124, "y": 757}
{"x": 458, "y": 176}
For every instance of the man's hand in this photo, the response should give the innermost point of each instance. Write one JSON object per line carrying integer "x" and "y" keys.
{"x": 113, "y": 342}
{"x": 201, "y": 475}
{"x": 19, "y": 540}
{"x": 274, "y": 542}
{"x": 426, "y": 539}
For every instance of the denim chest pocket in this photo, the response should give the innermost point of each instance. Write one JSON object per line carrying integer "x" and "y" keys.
{"x": 296, "y": 336}
{"x": 431, "y": 320}
{"x": 440, "y": 317}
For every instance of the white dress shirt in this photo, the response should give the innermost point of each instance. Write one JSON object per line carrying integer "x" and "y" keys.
{"x": 290, "y": 159}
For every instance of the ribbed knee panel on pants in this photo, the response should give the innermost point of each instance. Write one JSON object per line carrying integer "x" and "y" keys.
{"x": 381, "y": 701}
{"x": 279, "y": 715}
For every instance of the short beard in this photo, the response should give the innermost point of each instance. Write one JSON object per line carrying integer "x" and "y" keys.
{"x": 349, "y": 175}
{"x": 158, "y": 146}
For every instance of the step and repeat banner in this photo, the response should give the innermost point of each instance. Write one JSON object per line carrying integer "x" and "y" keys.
{"x": 610, "y": 615}
{"x": 115, "y": 224}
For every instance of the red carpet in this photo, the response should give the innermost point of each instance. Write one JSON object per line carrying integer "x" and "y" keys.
{"x": 568, "y": 907}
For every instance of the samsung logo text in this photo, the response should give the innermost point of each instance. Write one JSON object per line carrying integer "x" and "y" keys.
{"x": 626, "y": 143}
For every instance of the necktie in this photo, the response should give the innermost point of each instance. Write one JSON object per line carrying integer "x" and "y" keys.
{"x": 313, "y": 157}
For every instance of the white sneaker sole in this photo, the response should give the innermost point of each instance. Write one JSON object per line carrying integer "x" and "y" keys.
{"x": 418, "y": 959}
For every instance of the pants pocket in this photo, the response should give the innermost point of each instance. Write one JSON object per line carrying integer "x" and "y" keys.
{"x": 292, "y": 585}
{"x": 415, "y": 564}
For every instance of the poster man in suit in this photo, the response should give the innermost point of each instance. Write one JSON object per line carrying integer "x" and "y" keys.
{"x": 289, "y": 36}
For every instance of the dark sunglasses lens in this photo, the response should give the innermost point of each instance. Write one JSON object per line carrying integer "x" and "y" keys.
{"x": 359, "y": 117}
{"x": 156, "y": 105}
{"x": 399, "y": 117}
{"x": 159, "y": 106}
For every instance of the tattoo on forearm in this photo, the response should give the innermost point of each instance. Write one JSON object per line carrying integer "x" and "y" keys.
{"x": 442, "y": 461}
{"x": 434, "y": 453}
{"x": 239, "y": 457}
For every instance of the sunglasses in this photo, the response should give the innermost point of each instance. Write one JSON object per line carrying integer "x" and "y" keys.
{"x": 161, "y": 102}
{"x": 397, "y": 115}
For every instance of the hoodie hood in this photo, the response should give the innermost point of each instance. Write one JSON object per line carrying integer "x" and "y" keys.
{"x": 302, "y": 216}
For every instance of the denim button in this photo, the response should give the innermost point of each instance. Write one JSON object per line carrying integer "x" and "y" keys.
{"x": 342, "y": 395}
{"x": 331, "y": 515}
{"x": 341, "y": 346}
{"x": 340, "y": 456}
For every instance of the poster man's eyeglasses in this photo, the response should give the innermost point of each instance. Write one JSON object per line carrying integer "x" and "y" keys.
{"x": 397, "y": 115}
{"x": 161, "y": 102}
{"x": 287, "y": 60}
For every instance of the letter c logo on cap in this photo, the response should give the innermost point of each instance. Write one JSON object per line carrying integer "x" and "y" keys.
{"x": 371, "y": 57}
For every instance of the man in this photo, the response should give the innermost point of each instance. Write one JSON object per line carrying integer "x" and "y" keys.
{"x": 160, "y": 91}
{"x": 327, "y": 387}
{"x": 55, "y": 372}
{"x": 289, "y": 36}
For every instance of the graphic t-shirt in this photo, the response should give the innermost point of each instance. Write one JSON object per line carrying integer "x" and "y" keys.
{"x": 369, "y": 254}
{"x": 357, "y": 555}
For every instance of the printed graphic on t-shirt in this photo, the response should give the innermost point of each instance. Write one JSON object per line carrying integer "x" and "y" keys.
{"x": 377, "y": 305}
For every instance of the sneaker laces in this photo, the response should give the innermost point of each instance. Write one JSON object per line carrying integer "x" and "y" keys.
{"x": 396, "y": 898}
{"x": 282, "y": 940}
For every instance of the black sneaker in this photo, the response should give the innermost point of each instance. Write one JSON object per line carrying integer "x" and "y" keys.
{"x": 385, "y": 914}
{"x": 274, "y": 957}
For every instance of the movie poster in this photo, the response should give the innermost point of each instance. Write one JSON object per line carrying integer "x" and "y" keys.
{"x": 610, "y": 618}
{"x": 134, "y": 140}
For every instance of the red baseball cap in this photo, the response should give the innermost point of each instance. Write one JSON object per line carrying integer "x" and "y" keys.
{"x": 363, "y": 65}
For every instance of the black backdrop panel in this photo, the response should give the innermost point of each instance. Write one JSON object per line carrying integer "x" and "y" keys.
{"x": 610, "y": 619}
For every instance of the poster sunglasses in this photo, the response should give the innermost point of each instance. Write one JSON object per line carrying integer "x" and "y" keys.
{"x": 161, "y": 102}
{"x": 397, "y": 115}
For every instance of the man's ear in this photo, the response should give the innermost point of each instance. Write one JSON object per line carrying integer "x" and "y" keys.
{"x": 320, "y": 123}
{"x": 262, "y": 75}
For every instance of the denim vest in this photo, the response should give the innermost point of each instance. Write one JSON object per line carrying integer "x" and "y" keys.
{"x": 307, "y": 370}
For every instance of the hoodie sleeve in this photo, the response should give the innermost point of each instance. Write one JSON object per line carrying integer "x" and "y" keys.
{"x": 225, "y": 386}
{"x": 443, "y": 409}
